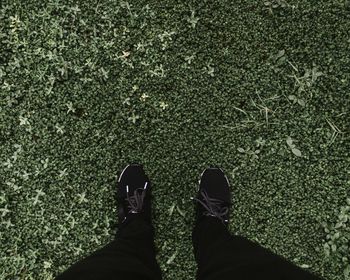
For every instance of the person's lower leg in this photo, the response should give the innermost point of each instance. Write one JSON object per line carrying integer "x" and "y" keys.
{"x": 132, "y": 252}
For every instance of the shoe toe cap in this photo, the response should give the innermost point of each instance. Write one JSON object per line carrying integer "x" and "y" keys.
{"x": 133, "y": 174}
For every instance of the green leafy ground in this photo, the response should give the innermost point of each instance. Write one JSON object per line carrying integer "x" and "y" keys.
{"x": 260, "y": 89}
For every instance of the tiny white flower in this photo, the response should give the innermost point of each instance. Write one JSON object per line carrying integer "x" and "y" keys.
{"x": 144, "y": 96}
{"x": 81, "y": 198}
{"x": 94, "y": 225}
{"x": 69, "y": 216}
{"x": 158, "y": 71}
{"x": 23, "y": 120}
{"x": 125, "y": 54}
{"x": 140, "y": 47}
{"x": 126, "y": 101}
{"x": 63, "y": 173}
{"x": 133, "y": 118}
{"x": 210, "y": 70}
{"x": 75, "y": 9}
{"x": 70, "y": 107}
{"x": 72, "y": 223}
{"x": 36, "y": 199}
{"x": 59, "y": 129}
{"x": 189, "y": 58}
{"x": 96, "y": 240}
{"x": 45, "y": 163}
{"x": 163, "y": 105}
{"x": 192, "y": 20}
{"x": 47, "y": 265}
{"x": 40, "y": 192}
{"x": 25, "y": 175}
{"x": 78, "y": 250}
{"x": 36, "y": 172}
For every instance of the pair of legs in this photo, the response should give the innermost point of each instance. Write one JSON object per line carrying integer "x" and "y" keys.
{"x": 219, "y": 255}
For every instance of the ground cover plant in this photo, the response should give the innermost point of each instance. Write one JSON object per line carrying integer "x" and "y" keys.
{"x": 259, "y": 88}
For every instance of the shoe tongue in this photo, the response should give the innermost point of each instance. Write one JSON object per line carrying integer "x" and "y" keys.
{"x": 135, "y": 185}
{"x": 216, "y": 185}
{"x": 219, "y": 192}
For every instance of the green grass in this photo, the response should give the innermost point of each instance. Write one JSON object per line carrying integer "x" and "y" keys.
{"x": 259, "y": 89}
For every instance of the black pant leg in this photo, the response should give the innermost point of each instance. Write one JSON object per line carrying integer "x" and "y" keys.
{"x": 130, "y": 256}
{"x": 222, "y": 256}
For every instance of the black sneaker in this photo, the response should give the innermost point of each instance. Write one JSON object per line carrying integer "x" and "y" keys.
{"x": 133, "y": 193}
{"x": 214, "y": 197}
